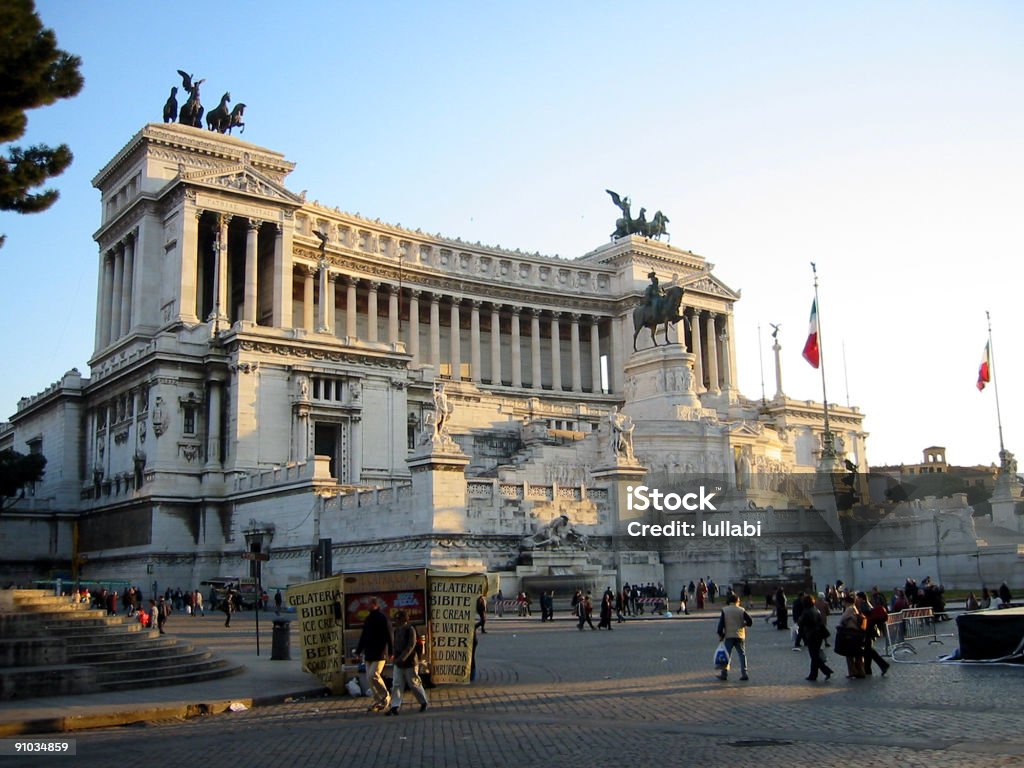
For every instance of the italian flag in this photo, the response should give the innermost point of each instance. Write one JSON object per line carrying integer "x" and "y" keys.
{"x": 811, "y": 352}
{"x": 985, "y": 370}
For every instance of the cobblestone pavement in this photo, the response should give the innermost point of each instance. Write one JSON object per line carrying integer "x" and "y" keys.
{"x": 549, "y": 695}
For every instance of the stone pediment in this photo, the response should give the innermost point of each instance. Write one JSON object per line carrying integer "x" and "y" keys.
{"x": 712, "y": 285}
{"x": 242, "y": 178}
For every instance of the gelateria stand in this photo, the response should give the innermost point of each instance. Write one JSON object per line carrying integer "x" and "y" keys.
{"x": 440, "y": 604}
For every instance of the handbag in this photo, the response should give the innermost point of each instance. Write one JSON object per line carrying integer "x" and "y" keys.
{"x": 849, "y": 642}
{"x": 721, "y": 657}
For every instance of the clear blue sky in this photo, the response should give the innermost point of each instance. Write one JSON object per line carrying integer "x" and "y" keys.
{"x": 882, "y": 140}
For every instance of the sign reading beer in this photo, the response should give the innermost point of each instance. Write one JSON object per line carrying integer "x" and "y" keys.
{"x": 452, "y": 614}
{"x": 315, "y": 605}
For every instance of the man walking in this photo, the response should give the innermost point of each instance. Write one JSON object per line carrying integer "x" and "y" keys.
{"x": 376, "y": 647}
{"x": 732, "y": 628}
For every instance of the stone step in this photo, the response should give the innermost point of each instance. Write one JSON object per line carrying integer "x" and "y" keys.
{"x": 98, "y": 620}
{"x": 145, "y": 651}
{"x": 59, "y": 679}
{"x": 147, "y": 681}
{"x": 40, "y": 606}
{"x": 79, "y": 635}
{"x": 114, "y": 643}
{"x": 169, "y": 666}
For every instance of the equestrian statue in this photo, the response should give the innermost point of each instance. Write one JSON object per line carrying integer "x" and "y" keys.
{"x": 627, "y": 225}
{"x": 660, "y": 307}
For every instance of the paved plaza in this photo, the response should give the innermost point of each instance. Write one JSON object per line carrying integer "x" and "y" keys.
{"x": 549, "y": 695}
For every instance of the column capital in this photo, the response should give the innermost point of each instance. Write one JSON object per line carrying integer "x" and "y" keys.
{"x": 535, "y": 311}
{"x": 253, "y": 223}
{"x": 415, "y": 293}
{"x": 476, "y": 304}
{"x": 350, "y": 280}
{"x": 456, "y": 301}
{"x": 496, "y": 306}
{"x": 333, "y": 277}
{"x": 575, "y": 317}
{"x": 555, "y": 314}
{"x": 435, "y": 298}
{"x": 311, "y": 269}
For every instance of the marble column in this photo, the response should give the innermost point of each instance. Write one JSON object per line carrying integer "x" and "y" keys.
{"x": 595, "y": 355}
{"x": 698, "y": 362}
{"x": 455, "y": 347}
{"x": 435, "y": 333}
{"x": 730, "y": 332}
{"x": 537, "y": 379}
{"x": 474, "y": 340}
{"x": 106, "y": 298}
{"x": 116, "y": 297}
{"x": 724, "y": 344}
{"x": 496, "y": 344}
{"x": 307, "y": 297}
{"x": 414, "y": 325}
{"x": 251, "y": 265}
{"x": 392, "y": 314}
{"x": 517, "y": 359}
{"x": 221, "y": 306}
{"x": 617, "y": 358}
{"x": 213, "y": 427}
{"x": 187, "y": 263}
{"x": 574, "y": 352}
{"x": 127, "y": 288}
{"x": 371, "y": 313}
{"x": 777, "y": 349}
{"x": 321, "y": 315}
{"x": 281, "y": 311}
{"x": 351, "y": 321}
{"x": 332, "y": 302}
{"x": 556, "y": 352}
{"x": 714, "y": 387}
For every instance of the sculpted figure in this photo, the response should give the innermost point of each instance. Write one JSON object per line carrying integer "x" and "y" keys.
{"x": 622, "y": 434}
{"x": 442, "y": 413}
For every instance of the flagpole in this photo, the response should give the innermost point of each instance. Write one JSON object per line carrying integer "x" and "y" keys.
{"x": 995, "y": 382}
{"x": 828, "y": 451}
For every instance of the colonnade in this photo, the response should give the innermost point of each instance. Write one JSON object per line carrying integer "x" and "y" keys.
{"x": 117, "y": 291}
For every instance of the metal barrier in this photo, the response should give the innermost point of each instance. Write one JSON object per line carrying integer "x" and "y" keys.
{"x": 910, "y": 624}
{"x": 513, "y": 606}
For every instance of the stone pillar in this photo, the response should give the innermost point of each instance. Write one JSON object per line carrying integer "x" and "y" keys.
{"x": 351, "y": 327}
{"x": 723, "y": 339}
{"x": 556, "y": 352}
{"x": 537, "y": 379}
{"x": 474, "y": 340}
{"x": 393, "y": 314}
{"x": 712, "y": 342}
{"x": 106, "y": 297}
{"x": 496, "y": 344}
{"x": 332, "y": 303}
{"x": 595, "y": 355}
{"x": 414, "y": 325}
{"x": 435, "y": 333}
{"x": 307, "y": 298}
{"x": 455, "y": 345}
{"x": 517, "y": 352}
{"x": 371, "y": 313}
{"x": 221, "y": 307}
{"x": 321, "y": 314}
{"x": 730, "y": 332}
{"x": 213, "y": 427}
{"x": 617, "y": 357}
{"x": 574, "y": 353}
{"x": 251, "y": 266}
{"x": 116, "y": 295}
{"x": 356, "y": 470}
{"x": 698, "y": 363}
{"x": 188, "y": 253}
{"x": 128, "y": 288}
{"x": 281, "y": 311}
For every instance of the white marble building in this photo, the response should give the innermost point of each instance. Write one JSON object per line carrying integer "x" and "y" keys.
{"x": 264, "y": 369}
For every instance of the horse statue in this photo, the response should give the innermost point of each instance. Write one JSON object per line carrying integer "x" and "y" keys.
{"x": 217, "y": 119}
{"x": 235, "y": 118}
{"x": 664, "y": 311}
{"x": 654, "y": 228}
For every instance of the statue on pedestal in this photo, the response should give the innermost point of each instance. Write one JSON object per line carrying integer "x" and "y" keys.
{"x": 622, "y": 434}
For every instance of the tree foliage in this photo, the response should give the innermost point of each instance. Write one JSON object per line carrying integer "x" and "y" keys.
{"x": 18, "y": 470}
{"x": 34, "y": 72}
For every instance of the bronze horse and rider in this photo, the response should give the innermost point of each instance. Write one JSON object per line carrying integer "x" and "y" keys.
{"x": 659, "y": 309}
{"x": 222, "y": 120}
{"x": 219, "y": 119}
{"x": 627, "y": 225}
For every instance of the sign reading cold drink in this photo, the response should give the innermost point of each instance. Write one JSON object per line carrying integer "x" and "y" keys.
{"x": 452, "y": 615}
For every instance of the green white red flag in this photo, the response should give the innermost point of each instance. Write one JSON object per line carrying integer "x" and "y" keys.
{"x": 985, "y": 369}
{"x": 812, "y": 354}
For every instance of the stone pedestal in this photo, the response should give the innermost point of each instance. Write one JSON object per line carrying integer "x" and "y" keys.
{"x": 1007, "y": 506}
{"x": 660, "y": 385}
{"x": 438, "y": 471}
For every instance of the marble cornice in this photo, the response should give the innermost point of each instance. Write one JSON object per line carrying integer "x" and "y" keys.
{"x": 309, "y": 349}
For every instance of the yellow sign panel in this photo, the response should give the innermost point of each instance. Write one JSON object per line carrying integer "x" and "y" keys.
{"x": 452, "y": 611}
{"x": 317, "y": 608}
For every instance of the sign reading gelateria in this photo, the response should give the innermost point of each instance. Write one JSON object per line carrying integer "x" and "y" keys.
{"x": 316, "y": 605}
{"x": 452, "y": 614}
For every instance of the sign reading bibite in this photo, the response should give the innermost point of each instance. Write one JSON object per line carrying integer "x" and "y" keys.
{"x": 315, "y": 605}
{"x": 452, "y": 614}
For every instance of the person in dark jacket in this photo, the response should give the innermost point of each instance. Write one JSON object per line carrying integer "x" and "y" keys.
{"x": 405, "y": 664}
{"x": 812, "y": 628}
{"x": 376, "y": 647}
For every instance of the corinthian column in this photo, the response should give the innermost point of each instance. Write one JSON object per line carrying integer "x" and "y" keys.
{"x": 435, "y": 333}
{"x": 307, "y": 298}
{"x": 712, "y": 339}
{"x": 698, "y": 363}
{"x": 556, "y": 352}
{"x": 517, "y": 352}
{"x": 351, "y": 326}
{"x": 574, "y": 353}
{"x": 537, "y": 380}
{"x": 106, "y": 297}
{"x": 371, "y": 313}
{"x": 496, "y": 344}
{"x": 455, "y": 345}
{"x": 393, "y": 314}
{"x": 474, "y": 340}
{"x": 414, "y": 325}
{"x": 595, "y": 355}
{"x": 251, "y": 236}
{"x": 116, "y": 298}
{"x": 127, "y": 288}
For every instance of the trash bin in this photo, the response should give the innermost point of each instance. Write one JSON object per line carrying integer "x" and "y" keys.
{"x": 281, "y": 648}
